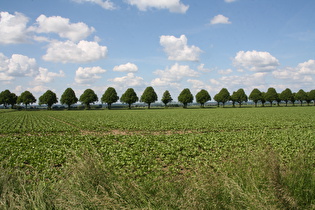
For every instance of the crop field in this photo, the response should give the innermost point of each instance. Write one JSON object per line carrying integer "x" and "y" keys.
{"x": 211, "y": 158}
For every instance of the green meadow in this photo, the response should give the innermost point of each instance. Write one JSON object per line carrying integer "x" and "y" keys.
{"x": 211, "y": 158}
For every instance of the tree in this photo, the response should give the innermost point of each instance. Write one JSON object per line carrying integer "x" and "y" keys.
{"x": 278, "y": 100}
{"x": 149, "y": 96}
{"x": 286, "y": 96}
{"x": 308, "y": 98}
{"x": 292, "y": 99}
{"x": 48, "y": 98}
{"x": 185, "y": 97}
{"x": 68, "y": 97}
{"x": 26, "y": 98}
{"x": 129, "y": 97}
{"x": 271, "y": 95}
{"x": 110, "y": 97}
{"x": 88, "y": 97}
{"x": 255, "y": 96}
{"x": 166, "y": 98}
{"x": 311, "y": 96}
{"x": 202, "y": 97}
{"x": 240, "y": 96}
{"x": 301, "y": 96}
{"x": 233, "y": 98}
{"x": 263, "y": 98}
{"x": 8, "y": 98}
{"x": 223, "y": 96}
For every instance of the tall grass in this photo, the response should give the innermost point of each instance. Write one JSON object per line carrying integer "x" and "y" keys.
{"x": 258, "y": 180}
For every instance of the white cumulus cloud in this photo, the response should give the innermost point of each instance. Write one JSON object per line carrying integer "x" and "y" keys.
{"x": 174, "y": 74}
{"x": 128, "y": 67}
{"x": 255, "y": 61}
{"x": 220, "y": 19}
{"x": 174, "y": 6}
{"x": 13, "y": 28}
{"x": 130, "y": 80}
{"x": 70, "y": 52}
{"x": 46, "y": 76}
{"x": 63, "y": 27}
{"x": 88, "y": 75}
{"x": 177, "y": 48}
{"x": 17, "y": 66}
{"x": 107, "y": 4}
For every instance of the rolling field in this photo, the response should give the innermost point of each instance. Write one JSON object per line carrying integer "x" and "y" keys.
{"x": 213, "y": 158}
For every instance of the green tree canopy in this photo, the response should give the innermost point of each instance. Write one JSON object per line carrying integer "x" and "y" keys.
{"x": 286, "y": 95}
{"x": 263, "y": 98}
{"x": 301, "y": 96}
{"x": 202, "y": 97}
{"x": 311, "y": 96}
{"x": 222, "y": 97}
{"x": 26, "y": 98}
{"x": 185, "y": 97}
{"x": 88, "y": 97}
{"x": 166, "y": 98}
{"x": 68, "y": 97}
{"x": 292, "y": 99}
{"x": 48, "y": 98}
{"x": 8, "y": 98}
{"x": 110, "y": 96}
{"x": 233, "y": 98}
{"x": 149, "y": 96}
{"x": 271, "y": 95}
{"x": 255, "y": 96}
{"x": 129, "y": 97}
{"x": 241, "y": 96}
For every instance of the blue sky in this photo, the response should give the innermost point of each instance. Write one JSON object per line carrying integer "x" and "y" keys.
{"x": 166, "y": 44}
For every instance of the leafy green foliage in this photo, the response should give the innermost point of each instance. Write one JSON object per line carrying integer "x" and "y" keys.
{"x": 222, "y": 97}
{"x": 88, "y": 97}
{"x": 202, "y": 97}
{"x": 48, "y": 98}
{"x": 8, "y": 98}
{"x": 255, "y": 96}
{"x": 311, "y": 96}
{"x": 271, "y": 95}
{"x": 149, "y": 96}
{"x": 185, "y": 97}
{"x": 26, "y": 98}
{"x": 301, "y": 96}
{"x": 129, "y": 97}
{"x": 68, "y": 97}
{"x": 286, "y": 95}
{"x": 239, "y": 96}
{"x": 166, "y": 98}
{"x": 110, "y": 96}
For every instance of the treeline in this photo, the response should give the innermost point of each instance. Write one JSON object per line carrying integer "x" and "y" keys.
{"x": 149, "y": 96}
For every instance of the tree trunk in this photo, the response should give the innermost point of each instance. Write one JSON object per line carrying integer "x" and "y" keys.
{"x": 286, "y": 103}
{"x": 129, "y": 106}
{"x": 255, "y": 104}
{"x": 149, "y": 104}
{"x": 301, "y": 103}
{"x": 69, "y": 106}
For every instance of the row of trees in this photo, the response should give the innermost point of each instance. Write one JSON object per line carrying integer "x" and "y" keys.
{"x": 149, "y": 96}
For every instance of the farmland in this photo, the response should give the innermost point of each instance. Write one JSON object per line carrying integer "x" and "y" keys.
{"x": 209, "y": 158}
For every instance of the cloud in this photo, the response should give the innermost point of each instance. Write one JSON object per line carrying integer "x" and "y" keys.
{"x": 302, "y": 73}
{"x": 202, "y": 68}
{"x": 107, "y": 4}
{"x": 178, "y": 50}
{"x": 197, "y": 85}
{"x": 220, "y": 19}
{"x": 234, "y": 82}
{"x": 128, "y": 67}
{"x": 174, "y": 6}
{"x": 13, "y": 28}
{"x": 17, "y": 66}
{"x": 229, "y": 1}
{"x": 255, "y": 61}
{"x": 225, "y": 72}
{"x": 174, "y": 74}
{"x": 70, "y": 52}
{"x": 62, "y": 27}
{"x": 45, "y": 76}
{"x": 130, "y": 80}
{"x": 88, "y": 75}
